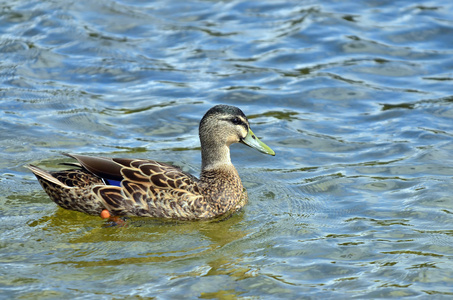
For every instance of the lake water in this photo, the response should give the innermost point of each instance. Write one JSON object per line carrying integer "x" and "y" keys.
{"x": 355, "y": 97}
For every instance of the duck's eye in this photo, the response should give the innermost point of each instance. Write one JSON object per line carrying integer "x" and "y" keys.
{"x": 236, "y": 121}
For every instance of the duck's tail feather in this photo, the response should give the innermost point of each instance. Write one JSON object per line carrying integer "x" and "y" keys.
{"x": 46, "y": 176}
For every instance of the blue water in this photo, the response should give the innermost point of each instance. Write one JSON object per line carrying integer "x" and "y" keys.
{"x": 355, "y": 98}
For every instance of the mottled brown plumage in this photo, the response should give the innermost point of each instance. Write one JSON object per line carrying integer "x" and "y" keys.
{"x": 149, "y": 188}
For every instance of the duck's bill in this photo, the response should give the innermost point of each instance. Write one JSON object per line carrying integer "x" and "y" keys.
{"x": 252, "y": 141}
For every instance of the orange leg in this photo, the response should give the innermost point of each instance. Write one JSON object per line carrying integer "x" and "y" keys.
{"x": 105, "y": 214}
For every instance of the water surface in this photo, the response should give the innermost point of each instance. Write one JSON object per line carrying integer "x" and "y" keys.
{"x": 355, "y": 98}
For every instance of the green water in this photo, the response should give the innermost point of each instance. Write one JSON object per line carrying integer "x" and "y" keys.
{"x": 354, "y": 97}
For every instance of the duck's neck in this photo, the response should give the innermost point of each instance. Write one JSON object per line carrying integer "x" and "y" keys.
{"x": 219, "y": 181}
{"x": 212, "y": 159}
{"x": 218, "y": 173}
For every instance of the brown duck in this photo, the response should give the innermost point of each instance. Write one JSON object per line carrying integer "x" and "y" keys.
{"x": 147, "y": 188}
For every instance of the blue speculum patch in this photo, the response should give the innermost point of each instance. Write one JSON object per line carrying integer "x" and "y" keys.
{"x": 112, "y": 182}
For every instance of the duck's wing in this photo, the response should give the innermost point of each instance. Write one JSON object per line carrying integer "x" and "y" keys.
{"x": 147, "y": 187}
{"x": 102, "y": 167}
{"x": 149, "y": 172}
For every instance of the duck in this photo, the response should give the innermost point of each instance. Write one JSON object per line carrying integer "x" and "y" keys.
{"x": 124, "y": 187}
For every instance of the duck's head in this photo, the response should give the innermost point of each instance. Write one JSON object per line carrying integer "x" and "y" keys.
{"x": 224, "y": 125}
